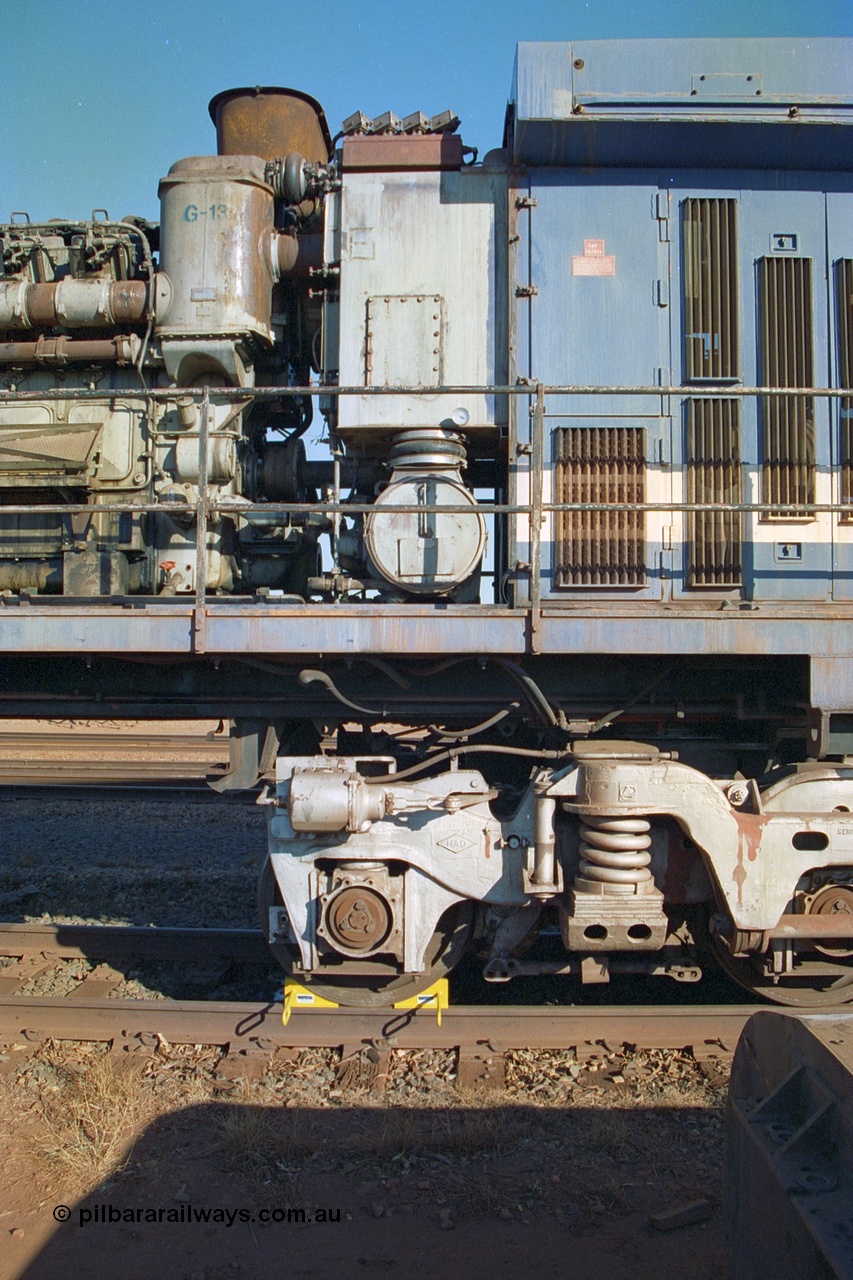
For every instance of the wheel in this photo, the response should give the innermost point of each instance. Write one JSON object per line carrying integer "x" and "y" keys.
{"x": 809, "y": 986}
{"x": 445, "y": 950}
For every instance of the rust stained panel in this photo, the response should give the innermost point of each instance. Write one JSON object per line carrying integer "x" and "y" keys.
{"x": 60, "y": 628}
{"x": 401, "y": 151}
{"x": 269, "y": 123}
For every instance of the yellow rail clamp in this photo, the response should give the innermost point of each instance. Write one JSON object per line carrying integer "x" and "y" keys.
{"x": 298, "y": 997}
{"x": 436, "y": 997}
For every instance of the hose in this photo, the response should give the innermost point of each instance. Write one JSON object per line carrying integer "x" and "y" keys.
{"x": 310, "y": 676}
{"x": 535, "y": 696}
{"x": 477, "y": 728}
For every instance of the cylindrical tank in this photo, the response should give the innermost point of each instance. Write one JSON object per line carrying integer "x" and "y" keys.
{"x": 426, "y": 553}
{"x": 270, "y": 122}
{"x": 216, "y": 228}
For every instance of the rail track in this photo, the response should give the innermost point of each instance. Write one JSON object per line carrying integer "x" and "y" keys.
{"x": 251, "y": 1032}
{"x": 68, "y": 754}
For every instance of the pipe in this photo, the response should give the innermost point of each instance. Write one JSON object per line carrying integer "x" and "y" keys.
{"x": 296, "y": 256}
{"x": 94, "y": 303}
{"x": 122, "y": 349}
{"x": 31, "y": 575}
{"x": 810, "y": 926}
{"x": 544, "y": 858}
{"x": 473, "y": 749}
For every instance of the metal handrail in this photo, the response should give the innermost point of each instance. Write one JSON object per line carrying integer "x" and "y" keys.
{"x": 692, "y": 391}
{"x": 535, "y": 509}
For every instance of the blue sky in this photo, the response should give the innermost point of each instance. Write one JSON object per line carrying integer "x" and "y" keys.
{"x": 98, "y": 99}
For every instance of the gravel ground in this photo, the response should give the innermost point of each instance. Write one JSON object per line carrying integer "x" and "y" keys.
{"x": 184, "y": 863}
{"x": 190, "y": 863}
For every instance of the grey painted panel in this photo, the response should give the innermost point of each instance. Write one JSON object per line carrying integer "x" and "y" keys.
{"x": 655, "y": 72}
{"x": 786, "y": 206}
{"x": 94, "y": 631}
{"x": 723, "y": 633}
{"x": 720, "y": 102}
{"x": 413, "y": 235}
{"x": 333, "y": 630}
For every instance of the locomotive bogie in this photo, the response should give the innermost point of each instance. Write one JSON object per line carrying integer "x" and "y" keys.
{"x": 340, "y": 840}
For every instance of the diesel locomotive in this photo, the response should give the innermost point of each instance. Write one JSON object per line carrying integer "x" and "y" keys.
{"x": 503, "y": 503}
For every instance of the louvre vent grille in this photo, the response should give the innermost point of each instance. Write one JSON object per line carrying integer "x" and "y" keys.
{"x": 601, "y": 465}
{"x": 712, "y": 342}
{"x": 845, "y": 376}
{"x": 713, "y": 475}
{"x": 787, "y": 360}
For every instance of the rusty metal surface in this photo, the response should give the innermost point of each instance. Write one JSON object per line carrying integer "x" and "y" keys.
{"x": 402, "y": 151}
{"x": 95, "y": 303}
{"x": 231, "y": 190}
{"x": 105, "y": 773}
{"x": 707, "y": 1030}
{"x": 61, "y": 626}
{"x": 270, "y": 122}
{"x": 835, "y": 924}
{"x": 75, "y": 941}
{"x": 122, "y": 349}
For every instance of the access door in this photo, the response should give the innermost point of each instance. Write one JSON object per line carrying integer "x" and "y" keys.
{"x": 597, "y": 305}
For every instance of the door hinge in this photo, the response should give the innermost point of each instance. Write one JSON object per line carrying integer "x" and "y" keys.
{"x": 526, "y": 291}
{"x": 662, "y": 215}
{"x": 526, "y": 202}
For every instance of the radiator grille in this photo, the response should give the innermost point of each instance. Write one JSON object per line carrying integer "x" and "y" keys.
{"x": 24, "y": 496}
{"x": 601, "y": 548}
{"x": 844, "y": 275}
{"x": 787, "y": 360}
{"x": 713, "y": 475}
{"x": 712, "y": 341}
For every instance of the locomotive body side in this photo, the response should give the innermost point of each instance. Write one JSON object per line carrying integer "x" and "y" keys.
{"x": 555, "y": 629}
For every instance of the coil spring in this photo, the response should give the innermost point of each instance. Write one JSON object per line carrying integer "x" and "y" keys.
{"x": 615, "y": 850}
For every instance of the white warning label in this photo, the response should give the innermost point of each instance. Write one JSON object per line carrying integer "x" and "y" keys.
{"x": 594, "y": 261}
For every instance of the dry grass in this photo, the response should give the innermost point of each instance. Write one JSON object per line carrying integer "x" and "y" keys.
{"x": 87, "y": 1128}
{"x": 584, "y": 1140}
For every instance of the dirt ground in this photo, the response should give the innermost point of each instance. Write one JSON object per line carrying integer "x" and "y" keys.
{"x": 321, "y": 1168}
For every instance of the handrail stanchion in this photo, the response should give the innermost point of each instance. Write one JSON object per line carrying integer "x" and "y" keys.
{"x": 537, "y": 479}
{"x": 199, "y": 619}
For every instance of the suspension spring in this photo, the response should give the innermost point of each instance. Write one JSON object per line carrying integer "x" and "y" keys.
{"x": 614, "y": 851}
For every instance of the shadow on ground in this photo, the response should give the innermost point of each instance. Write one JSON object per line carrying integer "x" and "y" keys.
{"x": 225, "y": 1190}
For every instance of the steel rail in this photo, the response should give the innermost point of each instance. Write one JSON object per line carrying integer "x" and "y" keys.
{"x": 100, "y": 942}
{"x": 187, "y": 789}
{"x": 784, "y": 510}
{"x": 705, "y": 1029}
{"x": 47, "y": 772}
{"x": 80, "y": 741}
{"x": 486, "y": 1028}
{"x": 206, "y": 508}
